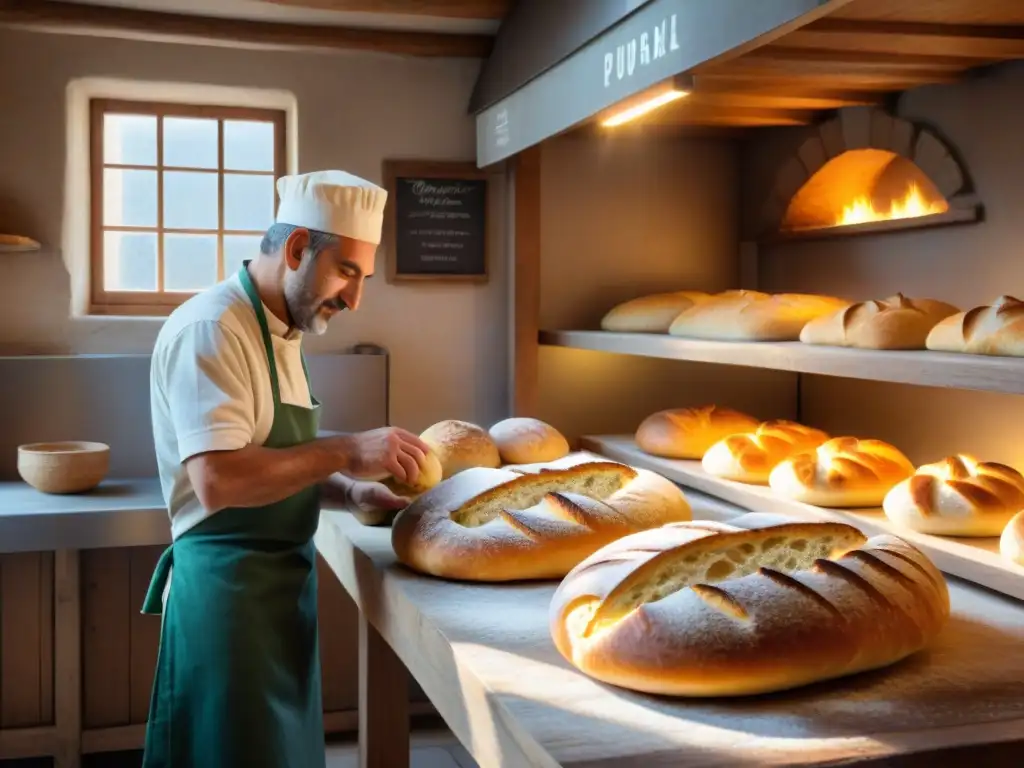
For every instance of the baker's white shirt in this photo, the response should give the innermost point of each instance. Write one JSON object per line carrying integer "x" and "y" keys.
{"x": 210, "y": 387}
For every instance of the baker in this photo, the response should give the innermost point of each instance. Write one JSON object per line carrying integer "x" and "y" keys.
{"x": 237, "y": 680}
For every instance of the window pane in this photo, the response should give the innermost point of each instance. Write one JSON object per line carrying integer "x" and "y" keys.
{"x": 239, "y": 248}
{"x": 190, "y": 142}
{"x": 190, "y": 200}
{"x": 190, "y": 262}
{"x": 248, "y": 201}
{"x": 129, "y": 261}
{"x": 248, "y": 145}
{"x": 129, "y": 139}
{"x": 129, "y": 198}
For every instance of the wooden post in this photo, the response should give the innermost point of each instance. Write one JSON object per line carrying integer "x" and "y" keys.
{"x": 67, "y": 678}
{"x": 383, "y": 702}
{"x": 525, "y": 281}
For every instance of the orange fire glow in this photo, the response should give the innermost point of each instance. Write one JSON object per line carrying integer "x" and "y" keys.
{"x": 911, "y": 206}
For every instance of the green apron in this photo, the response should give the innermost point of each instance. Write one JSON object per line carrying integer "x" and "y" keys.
{"x": 238, "y": 674}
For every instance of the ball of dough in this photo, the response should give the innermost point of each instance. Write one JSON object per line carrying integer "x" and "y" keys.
{"x": 430, "y": 475}
{"x": 460, "y": 445}
{"x": 522, "y": 440}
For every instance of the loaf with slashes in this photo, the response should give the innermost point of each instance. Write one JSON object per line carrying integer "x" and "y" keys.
{"x": 958, "y": 496}
{"x": 987, "y": 330}
{"x": 754, "y": 606}
{"x": 749, "y": 457}
{"x": 501, "y": 525}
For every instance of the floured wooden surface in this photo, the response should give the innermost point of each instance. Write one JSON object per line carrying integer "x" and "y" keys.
{"x": 489, "y": 665}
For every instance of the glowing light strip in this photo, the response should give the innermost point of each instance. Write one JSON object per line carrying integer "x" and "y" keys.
{"x": 644, "y": 107}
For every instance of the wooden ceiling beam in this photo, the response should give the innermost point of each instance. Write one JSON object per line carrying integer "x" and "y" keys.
{"x": 125, "y": 23}
{"x": 822, "y": 100}
{"x": 784, "y": 57}
{"x": 743, "y": 82}
{"x": 910, "y": 38}
{"x": 452, "y": 9}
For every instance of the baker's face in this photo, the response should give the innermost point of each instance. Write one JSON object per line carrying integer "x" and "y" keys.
{"x": 318, "y": 286}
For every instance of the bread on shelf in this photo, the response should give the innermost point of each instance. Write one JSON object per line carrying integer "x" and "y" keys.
{"x": 893, "y": 323}
{"x": 749, "y": 457}
{"x": 842, "y": 472}
{"x": 523, "y": 440}
{"x": 1011, "y": 542}
{"x": 989, "y": 330}
{"x": 753, "y": 316}
{"x": 497, "y": 525}
{"x": 749, "y": 607}
{"x": 686, "y": 433}
{"x": 958, "y": 496}
{"x": 460, "y": 445}
{"x": 650, "y": 314}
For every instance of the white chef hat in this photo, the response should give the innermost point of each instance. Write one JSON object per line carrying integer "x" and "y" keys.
{"x": 332, "y": 201}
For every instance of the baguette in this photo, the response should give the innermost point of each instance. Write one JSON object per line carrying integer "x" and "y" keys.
{"x": 498, "y": 525}
{"x": 750, "y": 607}
{"x": 842, "y": 472}
{"x": 749, "y": 457}
{"x": 650, "y": 314}
{"x": 893, "y": 323}
{"x": 686, "y": 433}
{"x": 993, "y": 330}
{"x": 958, "y": 496}
{"x": 753, "y": 316}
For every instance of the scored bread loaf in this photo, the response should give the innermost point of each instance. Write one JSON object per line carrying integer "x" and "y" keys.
{"x": 749, "y": 457}
{"x": 753, "y": 316}
{"x": 842, "y": 472}
{"x": 893, "y": 323}
{"x": 958, "y": 496}
{"x": 497, "y": 525}
{"x": 650, "y": 314}
{"x": 749, "y": 607}
{"x": 686, "y": 433}
{"x": 461, "y": 445}
{"x": 990, "y": 330}
{"x": 523, "y": 440}
{"x": 1011, "y": 542}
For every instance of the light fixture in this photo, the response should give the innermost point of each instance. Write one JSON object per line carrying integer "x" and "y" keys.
{"x": 653, "y": 98}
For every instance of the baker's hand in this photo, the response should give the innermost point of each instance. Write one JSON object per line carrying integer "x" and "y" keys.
{"x": 367, "y": 497}
{"x": 386, "y": 451}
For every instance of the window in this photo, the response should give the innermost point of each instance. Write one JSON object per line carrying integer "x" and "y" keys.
{"x": 181, "y": 195}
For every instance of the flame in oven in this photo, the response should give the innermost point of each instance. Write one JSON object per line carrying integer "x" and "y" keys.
{"x": 911, "y": 206}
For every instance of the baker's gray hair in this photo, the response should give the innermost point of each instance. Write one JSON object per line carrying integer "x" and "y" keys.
{"x": 278, "y": 234}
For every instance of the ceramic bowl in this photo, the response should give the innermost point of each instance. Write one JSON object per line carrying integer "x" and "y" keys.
{"x": 63, "y": 467}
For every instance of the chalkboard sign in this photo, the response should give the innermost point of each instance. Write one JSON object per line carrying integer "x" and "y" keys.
{"x": 435, "y": 221}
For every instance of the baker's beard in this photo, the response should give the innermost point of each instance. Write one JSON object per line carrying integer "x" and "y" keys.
{"x": 307, "y": 309}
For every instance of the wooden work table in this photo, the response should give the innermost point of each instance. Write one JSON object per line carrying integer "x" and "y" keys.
{"x": 483, "y": 655}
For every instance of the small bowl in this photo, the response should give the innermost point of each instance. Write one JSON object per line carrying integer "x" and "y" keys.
{"x": 65, "y": 467}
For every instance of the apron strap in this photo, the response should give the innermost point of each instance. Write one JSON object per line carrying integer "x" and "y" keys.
{"x": 154, "y": 602}
{"x": 261, "y": 316}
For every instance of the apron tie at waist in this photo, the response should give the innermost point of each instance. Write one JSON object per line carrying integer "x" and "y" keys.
{"x": 154, "y": 602}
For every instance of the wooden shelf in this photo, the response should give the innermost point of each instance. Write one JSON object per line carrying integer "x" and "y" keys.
{"x": 976, "y": 560}
{"x": 929, "y": 369}
{"x": 17, "y": 244}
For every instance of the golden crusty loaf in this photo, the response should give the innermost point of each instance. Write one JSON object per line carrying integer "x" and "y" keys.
{"x": 753, "y": 316}
{"x": 991, "y": 330}
{"x": 958, "y": 496}
{"x": 686, "y": 433}
{"x": 749, "y": 607}
{"x": 842, "y": 472}
{"x": 461, "y": 445}
{"x": 893, "y": 323}
{"x": 749, "y": 457}
{"x": 496, "y": 525}
{"x": 522, "y": 440}
{"x": 1011, "y": 542}
{"x": 650, "y": 314}
{"x": 430, "y": 475}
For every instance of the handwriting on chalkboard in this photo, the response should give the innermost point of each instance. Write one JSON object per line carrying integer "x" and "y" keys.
{"x": 439, "y": 224}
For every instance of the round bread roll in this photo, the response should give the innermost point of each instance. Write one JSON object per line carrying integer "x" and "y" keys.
{"x": 430, "y": 475}
{"x": 1011, "y": 543}
{"x": 748, "y": 607}
{"x": 753, "y": 316}
{"x": 523, "y": 440}
{"x": 993, "y": 330}
{"x": 686, "y": 433}
{"x": 497, "y": 525}
{"x": 650, "y": 314}
{"x": 460, "y": 445}
{"x": 894, "y": 323}
{"x": 958, "y": 496}
{"x": 842, "y": 472}
{"x": 749, "y": 457}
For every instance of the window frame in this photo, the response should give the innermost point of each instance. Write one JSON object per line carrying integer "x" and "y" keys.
{"x": 161, "y": 302}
